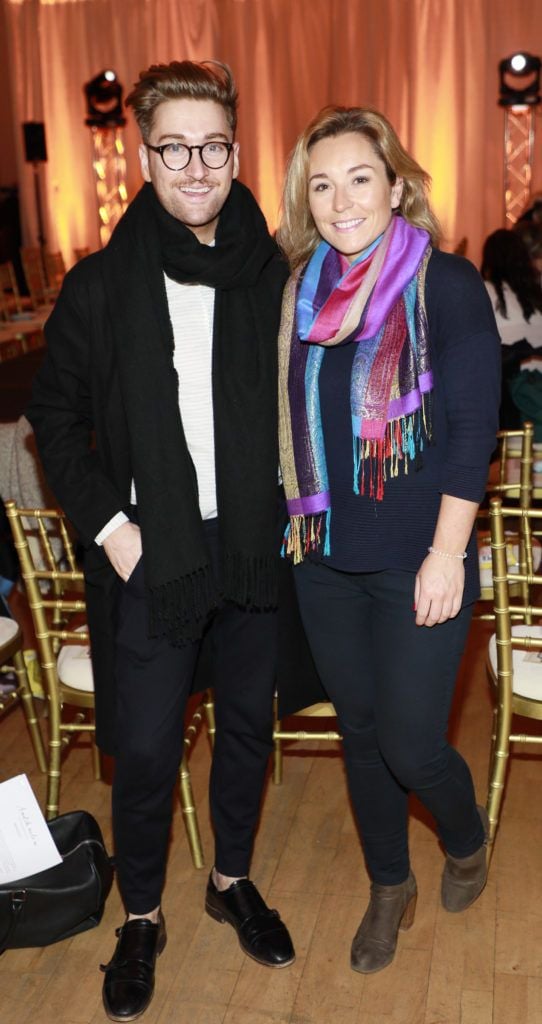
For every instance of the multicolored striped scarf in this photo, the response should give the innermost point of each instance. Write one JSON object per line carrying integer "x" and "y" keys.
{"x": 377, "y": 302}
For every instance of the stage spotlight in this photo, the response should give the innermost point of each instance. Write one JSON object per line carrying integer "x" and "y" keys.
{"x": 104, "y": 101}
{"x": 519, "y": 80}
{"x": 518, "y": 63}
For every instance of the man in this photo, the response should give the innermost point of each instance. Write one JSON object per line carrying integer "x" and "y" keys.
{"x": 163, "y": 349}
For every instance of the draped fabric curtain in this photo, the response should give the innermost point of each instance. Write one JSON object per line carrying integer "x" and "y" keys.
{"x": 429, "y": 65}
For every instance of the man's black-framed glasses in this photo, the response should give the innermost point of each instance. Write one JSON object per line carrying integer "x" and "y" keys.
{"x": 176, "y": 156}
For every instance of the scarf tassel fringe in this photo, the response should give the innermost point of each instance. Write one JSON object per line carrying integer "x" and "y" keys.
{"x": 179, "y": 609}
{"x": 403, "y": 442}
{"x": 374, "y": 462}
{"x": 304, "y": 535}
{"x": 250, "y": 581}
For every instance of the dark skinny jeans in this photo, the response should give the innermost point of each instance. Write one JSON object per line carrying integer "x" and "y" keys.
{"x": 391, "y": 683}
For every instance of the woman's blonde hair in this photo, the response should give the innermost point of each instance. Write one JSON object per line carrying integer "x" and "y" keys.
{"x": 297, "y": 234}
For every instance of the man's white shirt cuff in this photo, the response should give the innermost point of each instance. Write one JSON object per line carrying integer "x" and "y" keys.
{"x": 113, "y": 524}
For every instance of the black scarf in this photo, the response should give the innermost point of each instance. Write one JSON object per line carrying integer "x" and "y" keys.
{"x": 245, "y": 270}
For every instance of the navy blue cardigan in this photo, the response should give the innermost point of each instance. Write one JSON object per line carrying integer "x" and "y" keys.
{"x": 369, "y": 535}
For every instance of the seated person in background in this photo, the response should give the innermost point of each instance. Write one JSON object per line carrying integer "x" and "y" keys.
{"x": 21, "y": 474}
{"x": 530, "y": 231}
{"x": 22, "y": 480}
{"x": 513, "y": 288}
{"x": 516, "y": 296}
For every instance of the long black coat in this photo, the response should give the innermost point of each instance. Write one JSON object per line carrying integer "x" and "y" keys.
{"x": 85, "y": 442}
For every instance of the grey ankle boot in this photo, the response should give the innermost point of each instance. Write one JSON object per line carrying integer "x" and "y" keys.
{"x": 391, "y": 908}
{"x": 464, "y": 878}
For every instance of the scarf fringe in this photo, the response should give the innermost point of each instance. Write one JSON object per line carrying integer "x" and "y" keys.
{"x": 403, "y": 443}
{"x": 374, "y": 463}
{"x": 180, "y": 608}
{"x": 304, "y": 535}
{"x": 250, "y": 581}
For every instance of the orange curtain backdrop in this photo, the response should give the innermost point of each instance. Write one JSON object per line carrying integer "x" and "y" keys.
{"x": 429, "y": 65}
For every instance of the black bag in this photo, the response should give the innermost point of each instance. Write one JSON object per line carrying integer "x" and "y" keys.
{"x": 65, "y": 899}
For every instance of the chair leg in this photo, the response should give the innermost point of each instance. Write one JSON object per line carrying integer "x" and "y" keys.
{"x": 277, "y": 757}
{"x": 492, "y": 747}
{"x": 29, "y": 710}
{"x": 96, "y": 755}
{"x": 209, "y": 709}
{"x": 53, "y": 777}
{"x": 97, "y": 760}
{"x": 189, "y": 815}
{"x": 497, "y": 774}
{"x": 277, "y": 762}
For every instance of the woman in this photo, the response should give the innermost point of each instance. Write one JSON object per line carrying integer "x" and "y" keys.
{"x": 530, "y": 232}
{"x": 389, "y": 389}
{"x": 513, "y": 287}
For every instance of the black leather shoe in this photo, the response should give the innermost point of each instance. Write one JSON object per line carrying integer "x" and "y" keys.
{"x": 129, "y": 977}
{"x": 260, "y": 931}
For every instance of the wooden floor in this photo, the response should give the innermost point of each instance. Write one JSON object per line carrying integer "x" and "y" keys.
{"x": 481, "y": 967}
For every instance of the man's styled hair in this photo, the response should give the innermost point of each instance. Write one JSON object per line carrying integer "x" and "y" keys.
{"x": 185, "y": 79}
{"x": 297, "y": 233}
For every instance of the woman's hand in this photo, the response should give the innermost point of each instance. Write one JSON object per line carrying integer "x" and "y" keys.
{"x": 439, "y": 589}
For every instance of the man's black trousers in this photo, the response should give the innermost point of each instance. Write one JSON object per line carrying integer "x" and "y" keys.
{"x": 153, "y": 682}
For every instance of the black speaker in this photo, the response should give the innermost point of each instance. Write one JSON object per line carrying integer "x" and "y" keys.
{"x": 34, "y": 142}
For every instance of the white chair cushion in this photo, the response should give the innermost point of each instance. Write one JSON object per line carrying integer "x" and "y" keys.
{"x": 8, "y": 629}
{"x": 74, "y": 666}
{"x": 512, "y": 556}
{"x": 527, "y": 665}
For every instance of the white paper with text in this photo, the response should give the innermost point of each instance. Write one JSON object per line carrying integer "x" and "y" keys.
{"x": 26, "y": 845}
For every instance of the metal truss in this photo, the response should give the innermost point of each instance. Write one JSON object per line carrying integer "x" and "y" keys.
{"x": 518, "y": 160}
{"x": 109, "y": 164}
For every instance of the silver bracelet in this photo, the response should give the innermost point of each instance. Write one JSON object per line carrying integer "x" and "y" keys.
{"x": 446, "y": 554}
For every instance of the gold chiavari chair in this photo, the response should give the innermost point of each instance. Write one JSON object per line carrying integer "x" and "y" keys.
{"x": 301, "y": 705}
{"x": 204, "y": 710}
{"x": 11, "y": 300}
{"x": 55, "y": 271}
{"x": 314, "y": 713}
{"x": 79, "y": 254}
{"x": 11, "y": 655}
{"x": 512, "y": 479}
{"x": 4, "y": 301}
{"x": 514, "y": 455}
{"x": 31, "y": 259}
{"x": 54, "y": 587}
{"x": 515, "y": 650}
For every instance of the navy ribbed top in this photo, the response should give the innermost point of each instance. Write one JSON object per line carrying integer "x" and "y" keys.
{"x": 368, "y": 535}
